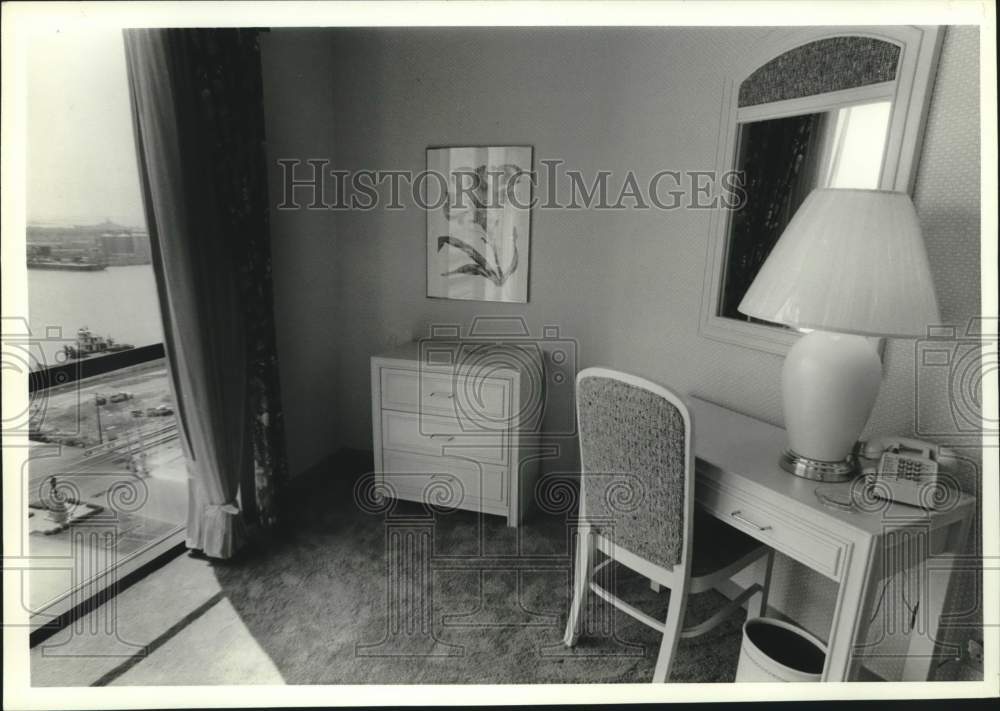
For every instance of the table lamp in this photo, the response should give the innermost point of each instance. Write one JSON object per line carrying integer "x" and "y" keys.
{"x": 851, "y": 265}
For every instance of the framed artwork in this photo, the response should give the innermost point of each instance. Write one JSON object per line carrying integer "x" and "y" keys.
{"x": 478, "y": 223}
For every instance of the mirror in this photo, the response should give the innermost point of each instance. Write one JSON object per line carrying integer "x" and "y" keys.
{"x": 782, "y": 160}
{"x": 822, "y": 107}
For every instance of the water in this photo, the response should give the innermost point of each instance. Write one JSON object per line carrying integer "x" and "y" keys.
{"x": 120, "y": 302}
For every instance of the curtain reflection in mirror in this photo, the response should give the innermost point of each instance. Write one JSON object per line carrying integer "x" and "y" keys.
{"x": 778, "y": 161}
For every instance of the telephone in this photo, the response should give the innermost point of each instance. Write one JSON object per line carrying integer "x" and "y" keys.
{"x": 907, "y": 470}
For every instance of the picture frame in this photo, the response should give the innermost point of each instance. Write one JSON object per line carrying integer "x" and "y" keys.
{"x": 479, "y": 222}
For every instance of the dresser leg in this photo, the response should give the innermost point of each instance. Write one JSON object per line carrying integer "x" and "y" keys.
{"x": 515, "y": 514}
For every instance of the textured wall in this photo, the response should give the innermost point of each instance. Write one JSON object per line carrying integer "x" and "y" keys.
{"x": 625, "y": 285}
{"x": 915, "y": 396}
{"x": 947, "y": 199}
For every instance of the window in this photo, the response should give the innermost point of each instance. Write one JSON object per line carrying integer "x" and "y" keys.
{"x": 107, "y": 471}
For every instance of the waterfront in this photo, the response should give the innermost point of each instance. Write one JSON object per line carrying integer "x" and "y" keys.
{"x": 120, "y": 302}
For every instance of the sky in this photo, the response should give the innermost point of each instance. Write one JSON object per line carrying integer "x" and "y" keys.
{"x": 80, "y": 151}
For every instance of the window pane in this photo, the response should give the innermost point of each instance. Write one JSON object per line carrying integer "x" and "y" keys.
{"x": 107, "y": 474}
{"x": 88, "y": 250}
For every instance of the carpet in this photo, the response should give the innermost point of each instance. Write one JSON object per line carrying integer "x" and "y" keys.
{"x": 486, "y": 603}
{"x": 365, "y": 594}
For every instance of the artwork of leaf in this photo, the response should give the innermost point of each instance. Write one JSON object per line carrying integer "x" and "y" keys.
{"x": 478, "y": 227}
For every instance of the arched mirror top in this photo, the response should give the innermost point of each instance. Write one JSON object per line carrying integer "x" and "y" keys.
{"x": 819, "y": 67}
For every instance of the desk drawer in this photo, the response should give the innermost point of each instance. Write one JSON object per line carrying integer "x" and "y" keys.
{"x": 770, "y": 526}
{"x": 478, "y": 402}
{"x": 446, "y": 481}
{"x": 437, "y": 436}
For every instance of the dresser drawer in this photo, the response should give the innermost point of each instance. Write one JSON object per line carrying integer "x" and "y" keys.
{"x": 444, "y": 481}
{"x": 770, "y": 526}
{"x": 477, "y": 402}
{"x": 435, "y": 435}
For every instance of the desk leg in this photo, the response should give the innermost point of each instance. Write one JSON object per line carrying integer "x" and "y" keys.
{"x": 920, "y": 654}
{"x": 852, "y": 611}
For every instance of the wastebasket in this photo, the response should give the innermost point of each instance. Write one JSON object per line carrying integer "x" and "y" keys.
{"x": 778, "y": 651}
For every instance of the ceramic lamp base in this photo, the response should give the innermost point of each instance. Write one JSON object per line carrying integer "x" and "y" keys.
{"x": 829, "y": 385}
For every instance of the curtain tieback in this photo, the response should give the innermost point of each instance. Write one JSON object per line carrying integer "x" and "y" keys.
{"x": 229, "y": 507}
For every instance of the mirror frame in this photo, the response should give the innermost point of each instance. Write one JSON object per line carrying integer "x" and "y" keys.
{"x": 910, "y": 93}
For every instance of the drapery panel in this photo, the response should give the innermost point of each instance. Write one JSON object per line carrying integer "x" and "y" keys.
{"x": 199, "y": 129}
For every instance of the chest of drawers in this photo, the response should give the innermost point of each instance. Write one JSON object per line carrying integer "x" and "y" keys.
{"x": 454, "y": 424}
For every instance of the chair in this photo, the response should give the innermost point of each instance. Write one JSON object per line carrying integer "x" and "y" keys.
{"x": 636, "y": 436}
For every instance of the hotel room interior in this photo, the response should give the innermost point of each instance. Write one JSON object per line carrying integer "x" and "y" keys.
{"x": 512, "y": 355}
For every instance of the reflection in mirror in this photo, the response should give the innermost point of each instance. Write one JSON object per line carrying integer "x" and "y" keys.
{"x": 809, "y": 107}
{"x": 782, "y": 160}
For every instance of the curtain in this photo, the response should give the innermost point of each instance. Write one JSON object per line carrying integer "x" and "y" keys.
{"x": 198, "y": 120}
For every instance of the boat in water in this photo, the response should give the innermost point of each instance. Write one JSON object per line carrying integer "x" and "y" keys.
{"x": 88, "y": 344}
{"x": 74, "y": 265}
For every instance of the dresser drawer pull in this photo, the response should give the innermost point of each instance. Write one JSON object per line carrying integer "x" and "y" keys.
{"x": 441, "y": 393}
{"x": 444, "y": 437}
{"x": 738, "y": 515}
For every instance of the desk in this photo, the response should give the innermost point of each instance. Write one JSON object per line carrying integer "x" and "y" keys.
{"x": 739, "y": 482}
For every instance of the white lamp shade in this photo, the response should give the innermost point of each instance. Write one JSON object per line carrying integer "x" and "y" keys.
{"x": 851, "y": 261}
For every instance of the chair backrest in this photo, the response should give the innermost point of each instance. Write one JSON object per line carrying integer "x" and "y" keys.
{"x": 637, "y": 464}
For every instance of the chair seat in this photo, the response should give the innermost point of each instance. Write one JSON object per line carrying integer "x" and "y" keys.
{"x": 717, "y": 545}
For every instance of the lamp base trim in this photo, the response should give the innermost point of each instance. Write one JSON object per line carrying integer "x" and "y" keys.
{"x": 817, "y": 470}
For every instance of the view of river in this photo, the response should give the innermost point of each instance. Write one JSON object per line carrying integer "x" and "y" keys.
{"x": 117, "y": 302}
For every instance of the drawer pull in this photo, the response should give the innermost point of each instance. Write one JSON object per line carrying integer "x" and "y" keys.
{"x": 441, "y": 393}
{"x": 444, "y": 437}
{"x": 738, "y": 515}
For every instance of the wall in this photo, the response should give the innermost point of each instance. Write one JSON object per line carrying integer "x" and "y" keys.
{"x": 624, "y": 285}
{"x": 299, "y": 111}
{"x": 947, "y": 196}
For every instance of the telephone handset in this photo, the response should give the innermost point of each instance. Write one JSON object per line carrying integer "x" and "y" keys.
{"x": 907, "y": 471}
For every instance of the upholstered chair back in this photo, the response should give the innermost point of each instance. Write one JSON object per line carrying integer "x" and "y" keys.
{"x": 634, "y": 459}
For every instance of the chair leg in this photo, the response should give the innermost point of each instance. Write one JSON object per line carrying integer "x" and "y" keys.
{"x": 757, "y": 607}
{"x": 671, "y": 634}
{"x": 582, "y": 574}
